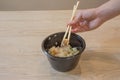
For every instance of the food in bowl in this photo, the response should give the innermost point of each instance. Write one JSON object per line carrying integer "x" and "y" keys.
{"x": 63, "y": 64}
{"x": 63, "y": 51}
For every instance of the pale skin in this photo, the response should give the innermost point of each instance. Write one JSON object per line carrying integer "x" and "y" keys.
{"x": 90, "y": 19}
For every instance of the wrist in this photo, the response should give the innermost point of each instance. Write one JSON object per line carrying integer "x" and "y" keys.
{"x": 101, "y": 14}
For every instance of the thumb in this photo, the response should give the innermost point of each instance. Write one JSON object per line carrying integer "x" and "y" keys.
{"x": 75, "y": 20}
{"x": 95, "y": 23}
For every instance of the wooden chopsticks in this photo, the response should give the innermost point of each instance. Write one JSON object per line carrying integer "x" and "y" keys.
{"x": 67, "y": 34}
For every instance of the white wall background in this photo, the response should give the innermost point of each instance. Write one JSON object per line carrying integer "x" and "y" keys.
{"x": 47, "y": 4}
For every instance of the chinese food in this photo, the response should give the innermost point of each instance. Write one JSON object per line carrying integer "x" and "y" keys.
{"x": 64, "y": 51}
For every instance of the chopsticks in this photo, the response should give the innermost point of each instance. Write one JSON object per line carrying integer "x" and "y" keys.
{"x": 67, "y": 34}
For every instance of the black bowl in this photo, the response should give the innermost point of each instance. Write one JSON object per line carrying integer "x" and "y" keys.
{"x": 63, "y": 63}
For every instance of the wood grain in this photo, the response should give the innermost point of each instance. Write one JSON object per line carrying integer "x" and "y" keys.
{"x": 21, "y": 34}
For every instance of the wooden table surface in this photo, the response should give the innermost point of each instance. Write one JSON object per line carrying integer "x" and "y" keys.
{"x": 21, "y": 35}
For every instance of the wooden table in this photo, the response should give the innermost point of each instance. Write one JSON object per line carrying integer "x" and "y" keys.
{"x": 21, "y": 34}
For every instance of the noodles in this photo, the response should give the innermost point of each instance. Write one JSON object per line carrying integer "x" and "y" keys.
{"x": 64, "y": 51}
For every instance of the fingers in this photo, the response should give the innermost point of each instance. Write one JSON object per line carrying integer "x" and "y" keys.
{"x": 84, "y": 21}
{"x": 75, "y": 22}
{"x": 77, "y": 30}
{"x": 81, "y": 27}
{"x": 76, "y": 19}
{"x": 85, "y": 25}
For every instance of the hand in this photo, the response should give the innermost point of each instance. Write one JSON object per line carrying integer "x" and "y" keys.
{"x": 85, "y": 20}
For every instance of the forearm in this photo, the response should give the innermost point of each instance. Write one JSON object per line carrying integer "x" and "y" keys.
{"x": 109, "y": 10}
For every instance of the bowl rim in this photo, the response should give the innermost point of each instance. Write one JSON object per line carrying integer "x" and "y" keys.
{"x": 48, "y": 54}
